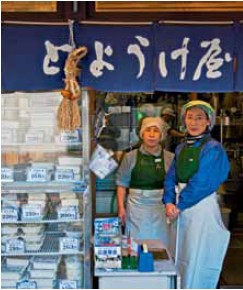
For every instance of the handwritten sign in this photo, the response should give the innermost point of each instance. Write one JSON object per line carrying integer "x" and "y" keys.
{"x": 31, "y": 211}
{"x": 67, "y": 284}
{"x": 67, "y": 212}
{"x": 15, "y": 246}
{"x": 68, "y": 245}
{"x": 70, "y": 137}
{"x": 64, "y": 175}
{"x": 9, "y": 214}
{"x": 37, "y": 175}
{"x": 26, "y": 285}
{"x": 7, "y": 174}
{"x": 34, "y": 138}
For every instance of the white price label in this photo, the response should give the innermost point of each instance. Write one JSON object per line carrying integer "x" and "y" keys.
{"x": 67, "y": 284}
{"x": 15, "y": 245}
{"x": 34, "y": 138}
{"x": 7, "y": 174}
{"x": 68, "y": 244}
{"x": 31, "y": 211}
{"x": 64, "y": 175}
{"x": 37, "y": 174}
{"x": 69, "y": 137}
{"x": 6, "y": 137}
{"x": 9, "y": 214}
{"x": 26, "y": 285}
{"x": 67, "y": 212}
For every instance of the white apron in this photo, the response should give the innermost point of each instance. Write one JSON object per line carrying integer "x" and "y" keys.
{"x": 146, "y": 215}
{"x": 201, "y": 245}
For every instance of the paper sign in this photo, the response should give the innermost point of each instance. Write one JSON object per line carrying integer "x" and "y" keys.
{"x": 64, "y": 175}
{"x": 31, "y": 211}
{"x": 70, "y": 137}
{"x": 7, "y": 174}
{"x": 37, "y": 174}
{"x": 15, "y": 245}
{"x": 9, "y": 214}
{"x": 26, "y": 285}
{"x": 102, "y": 164}
{"x": 67, "y": 212}
{"x": 67, "y": 284}
{"x": 34, "y": 138}
{"x": 68, "y": 244}
{"x": 6, "y": 137}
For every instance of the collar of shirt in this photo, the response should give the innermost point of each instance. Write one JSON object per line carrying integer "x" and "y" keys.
{"x": 158, "y": 153}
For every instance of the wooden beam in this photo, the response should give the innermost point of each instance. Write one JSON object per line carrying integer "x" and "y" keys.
{"x": 29, "y": 6}
{"x": 168, "y": 6}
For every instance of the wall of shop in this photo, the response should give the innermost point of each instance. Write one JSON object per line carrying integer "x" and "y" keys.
{"x": 122, "y": 11}
{"x": 106, "y": 11}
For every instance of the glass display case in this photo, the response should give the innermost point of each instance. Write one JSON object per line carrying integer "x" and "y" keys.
{"x": 46, "y": 201}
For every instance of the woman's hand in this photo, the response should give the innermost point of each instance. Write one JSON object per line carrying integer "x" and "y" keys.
{"x": 122, "y": 215}
{"x": 171, "y": 211}
{"x": 121, "y": 193}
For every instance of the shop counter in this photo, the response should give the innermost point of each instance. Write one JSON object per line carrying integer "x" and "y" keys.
{"x": 164, "y": 276}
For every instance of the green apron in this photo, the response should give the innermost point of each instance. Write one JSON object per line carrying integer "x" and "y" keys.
{"x": 149, "y": 172}
{"x": 188, "y": 161}
{"x": 145, "y": 213}
{"x": 199, "y": 253}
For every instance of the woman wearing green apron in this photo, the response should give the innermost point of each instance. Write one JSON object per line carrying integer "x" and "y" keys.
{"x": 140, "y": 180}
{"x": 199, "y": 167}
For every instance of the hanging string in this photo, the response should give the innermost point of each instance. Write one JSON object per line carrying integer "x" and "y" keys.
{"x": 71, "y": 33}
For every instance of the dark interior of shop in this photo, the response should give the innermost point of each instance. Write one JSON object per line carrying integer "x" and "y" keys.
{"x": 228, "y": 107}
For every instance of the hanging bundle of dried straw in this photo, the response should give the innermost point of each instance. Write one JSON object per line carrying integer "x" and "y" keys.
{"x": 68, "y": 111}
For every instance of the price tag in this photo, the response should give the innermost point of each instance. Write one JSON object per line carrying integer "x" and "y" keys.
{"x": 6, "y": 137}
{"x": 37, "y": 174}
{"x": 15, "y": 245}
{"x": 34, "y": 138}
{"x": 26, "y": 285}
{"x": 70, "y": 137}
{"x": 31, "y": 211}
{"x": 7, "y": 174}
{"x": 68, "y": 244}
{"x": 68, "y": 284}
{"x": 67, "y": 212}
{"x": 64, "y": 175}
{"x": 9, "y": 214}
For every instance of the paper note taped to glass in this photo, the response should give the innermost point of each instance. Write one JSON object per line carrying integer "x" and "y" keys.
{"x": 102, "y": 163}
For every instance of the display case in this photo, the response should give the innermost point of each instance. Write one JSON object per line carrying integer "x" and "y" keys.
{"x": 46, "y": 217}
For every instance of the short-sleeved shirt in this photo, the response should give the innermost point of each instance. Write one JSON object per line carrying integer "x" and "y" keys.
{"x": 123, "y": 176}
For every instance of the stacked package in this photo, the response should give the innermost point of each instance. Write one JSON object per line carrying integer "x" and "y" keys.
{"x": 10, "y": 207}
{"x": 12, "y": 271}
{"x": 36, "y": 207}
{"x": 44, "y": 271}
{"x": 69, "y": 207}
{"x": 43, "y": 109}
{"x": 13, "y": 129}
{"x": 74, "y": 269}
{"x": 40, "y": 171}
{"x": 31, "y": 235}
{"x": 70, "y": 164}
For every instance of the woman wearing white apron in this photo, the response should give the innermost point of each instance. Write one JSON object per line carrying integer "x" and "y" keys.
{"x": 140, "y": 179}
{"x": 199, "y": 167}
